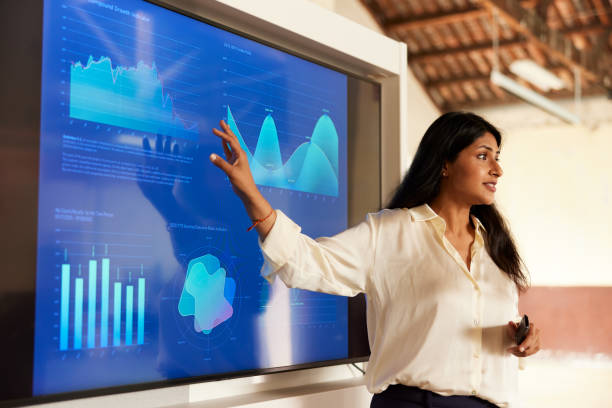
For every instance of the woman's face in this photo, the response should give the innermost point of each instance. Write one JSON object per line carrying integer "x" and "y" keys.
{"x": 473, "y": 176}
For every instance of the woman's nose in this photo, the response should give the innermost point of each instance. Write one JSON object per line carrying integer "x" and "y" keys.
{"x": 496, "y": 170}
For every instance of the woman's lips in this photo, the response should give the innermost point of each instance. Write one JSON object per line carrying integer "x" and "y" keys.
{"x": 491, "y": 186}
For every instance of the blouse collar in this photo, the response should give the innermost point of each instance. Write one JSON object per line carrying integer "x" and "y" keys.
{"x": 426, "y": 213}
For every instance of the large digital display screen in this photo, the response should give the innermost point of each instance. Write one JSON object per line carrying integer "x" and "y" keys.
{"x": 145, "y": 271}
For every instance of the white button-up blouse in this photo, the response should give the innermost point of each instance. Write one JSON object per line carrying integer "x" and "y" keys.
{"x": 432, "y": 322}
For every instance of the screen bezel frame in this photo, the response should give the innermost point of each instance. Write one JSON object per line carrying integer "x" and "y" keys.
{"x": 96, "y": 392}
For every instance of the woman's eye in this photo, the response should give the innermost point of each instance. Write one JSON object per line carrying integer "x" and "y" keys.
{"x": 482, "y": 156}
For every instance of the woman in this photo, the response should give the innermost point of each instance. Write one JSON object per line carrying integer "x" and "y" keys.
{"x": 439, "y": 267}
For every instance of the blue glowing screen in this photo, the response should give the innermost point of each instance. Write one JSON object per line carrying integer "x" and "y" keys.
{"x": 145, "y": 271}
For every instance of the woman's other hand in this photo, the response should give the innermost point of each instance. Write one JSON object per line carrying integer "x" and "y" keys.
{"x": 529, "y": 346}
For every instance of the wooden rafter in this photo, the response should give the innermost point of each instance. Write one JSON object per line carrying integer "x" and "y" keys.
{"x": 585, "y": 30}
{"x": 458, "y": 80}
{"x": 593, "y": 63}
{"x": 580, "y": 11}
{"x": 437, "y": 54}
{"x": 434, "y": 19}
{"x": 564, "y": 94}
{"x": 483, "y": 77}
{"x": 541, "y": 8}
{"x": 451, "y": 45}
{"x": 601, "y": 11}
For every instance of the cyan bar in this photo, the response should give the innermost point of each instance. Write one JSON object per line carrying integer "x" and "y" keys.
{"x": 129, "y": 313}
{"x": 78, "y": 313}
{"x": 104, "y": 305}
{"x": 141, "y": 306}
{"x": 64, "y": 307}
{"x": 117, "y": 315}
{"x": 91, "y": 304}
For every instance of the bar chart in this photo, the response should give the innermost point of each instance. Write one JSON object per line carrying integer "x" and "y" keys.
{"x": 97, "y": 305}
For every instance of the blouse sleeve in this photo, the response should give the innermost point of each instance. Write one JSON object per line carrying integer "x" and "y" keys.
{"x": 337, "y": 265}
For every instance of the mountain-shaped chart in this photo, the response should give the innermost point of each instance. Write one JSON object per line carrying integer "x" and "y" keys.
{"x": 128, "y": 97}
{"x": 312, "y": 168}
{"x": 208, "y": 294}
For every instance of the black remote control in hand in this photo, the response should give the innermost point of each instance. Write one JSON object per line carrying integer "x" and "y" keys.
{"x": 522, "y": 330}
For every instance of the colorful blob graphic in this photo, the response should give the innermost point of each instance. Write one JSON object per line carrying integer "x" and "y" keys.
{"x": 208, "y": 294}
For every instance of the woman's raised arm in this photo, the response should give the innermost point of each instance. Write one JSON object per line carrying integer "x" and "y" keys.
{"x": 338, "y": 264}
{"x": 236, "y": 166}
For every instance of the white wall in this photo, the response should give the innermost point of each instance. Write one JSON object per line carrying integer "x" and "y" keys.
{"x": 556, "y": 192}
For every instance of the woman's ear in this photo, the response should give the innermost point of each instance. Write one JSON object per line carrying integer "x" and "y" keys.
{"x": 445, "y": 169}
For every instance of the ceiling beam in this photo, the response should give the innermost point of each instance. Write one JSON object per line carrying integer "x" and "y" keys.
{"x": 483, "y": 77}
{"x": 453, "y": 52}
{"x": 434, "y": 19}
{"x": 487, "y": 103}
{"x": 602, "y": 13}
{"x": 585, "y": 29}
{"x": 541, "y": 8}
{"x": 437, "y": 54}
{"x": 458, "y": 80}
{"x": 594, "y": 63}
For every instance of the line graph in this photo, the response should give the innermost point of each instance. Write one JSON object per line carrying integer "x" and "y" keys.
{"x": 312, "y": 168}
{"x": 129, "y": 97}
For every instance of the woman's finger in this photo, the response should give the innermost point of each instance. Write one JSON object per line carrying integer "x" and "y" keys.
{"x": 536, "y": 343}
{"x": 530, "y": 346}
{"x": 530, "y": 340}
{"x": 221, "y": 134}
{"x": 225, "y": 138}
{"x": 514, "y": 350}
{"x": 227, "y": 129}
{"x": 220, "y": 163}
{"x": 233, "y": 143}
{"x": 231, "y": 133}
{"x": 226, "y": 150}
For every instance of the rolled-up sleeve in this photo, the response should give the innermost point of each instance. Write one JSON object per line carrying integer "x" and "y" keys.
{"x": 337, "y": 265}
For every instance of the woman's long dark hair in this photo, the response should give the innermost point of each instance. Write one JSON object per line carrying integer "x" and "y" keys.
{"x": 446, "y": 137}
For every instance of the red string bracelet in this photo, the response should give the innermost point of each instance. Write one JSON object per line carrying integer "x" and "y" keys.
{"x": 256, "y": 222}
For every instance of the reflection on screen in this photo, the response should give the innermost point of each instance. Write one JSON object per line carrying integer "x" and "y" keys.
{"x": 145, "y": 271}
